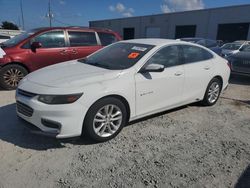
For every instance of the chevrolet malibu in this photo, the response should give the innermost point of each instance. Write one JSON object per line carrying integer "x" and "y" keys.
{"x": 125, "y": 81}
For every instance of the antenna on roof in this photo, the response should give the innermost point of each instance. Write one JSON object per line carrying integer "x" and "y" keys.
{"x": 50, "y": 15}
{"x": 21, "y": 7}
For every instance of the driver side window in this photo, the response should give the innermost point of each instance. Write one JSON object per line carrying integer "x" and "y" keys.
{"x": 51, "y": 39}
{"x": 167, "y": 56}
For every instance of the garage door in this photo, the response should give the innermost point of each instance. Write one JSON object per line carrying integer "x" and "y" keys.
{"x": 232, "y": 32}
{"x": 184, "y": 31}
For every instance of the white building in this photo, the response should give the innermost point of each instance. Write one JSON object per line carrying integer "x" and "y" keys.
{"x": 225, "y": 23}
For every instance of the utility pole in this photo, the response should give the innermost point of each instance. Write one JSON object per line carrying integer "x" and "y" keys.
{"x": 50, "y": 15}
{"x": 19, "y": 22}
{"x": 21, "y": 7}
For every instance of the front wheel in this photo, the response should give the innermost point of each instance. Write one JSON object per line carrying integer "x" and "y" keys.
{"x": 105, "y": 119}
{"x": 10, "y": 76}
{"x": 213, "y": 92}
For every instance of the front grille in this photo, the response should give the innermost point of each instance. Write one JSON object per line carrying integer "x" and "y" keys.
{"x": 24, "y": 109}
{"x": 26, "y": 93}
{"x": 241, "y": 65}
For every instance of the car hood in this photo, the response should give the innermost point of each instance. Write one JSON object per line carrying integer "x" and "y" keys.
{"x": 71, "y": 74}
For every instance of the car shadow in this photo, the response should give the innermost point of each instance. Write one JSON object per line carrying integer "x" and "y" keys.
{"x": 161, "y": 114}
{"x": 244, "y": 180}
{"x": 239, "y": 80}
{"x": 13, "y": 131}
{"x": 247, "y": 102}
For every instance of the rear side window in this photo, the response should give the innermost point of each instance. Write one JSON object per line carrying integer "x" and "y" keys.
{"x": 194, "y": 54}
{"x": 78, "y": 38}
{"x": 107, "y": 38}
{"x": 51, "y": 39}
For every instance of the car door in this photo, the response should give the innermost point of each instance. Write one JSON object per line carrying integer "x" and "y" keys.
{"x": 82, "y": 43}
{"x": 198, "y": 71}
{"x": 160, "y": 90}
{"x": 53, "y": 49}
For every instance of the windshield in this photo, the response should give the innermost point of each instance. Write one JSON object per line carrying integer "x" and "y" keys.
{"x": 231, "y": 46}
{"x": 17, "y": 39}
{"x": 118, "y": 56}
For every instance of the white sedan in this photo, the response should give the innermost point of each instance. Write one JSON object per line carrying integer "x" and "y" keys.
{"x": 125, "y": 81}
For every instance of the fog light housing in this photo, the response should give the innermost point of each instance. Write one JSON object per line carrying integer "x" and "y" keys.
{"x": 51, "y": 124}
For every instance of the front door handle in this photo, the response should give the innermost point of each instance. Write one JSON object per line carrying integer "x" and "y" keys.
{"x": 63, "y": 52}
{"x": 207, "y": 68}
{"x": 178, "y": 73}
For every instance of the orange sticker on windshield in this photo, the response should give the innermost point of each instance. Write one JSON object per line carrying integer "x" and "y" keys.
{"x": 133, "y": 55}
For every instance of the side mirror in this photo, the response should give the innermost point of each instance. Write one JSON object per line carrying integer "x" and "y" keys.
{"x": 152, "y": 68}
{"x": 35, "y": 45}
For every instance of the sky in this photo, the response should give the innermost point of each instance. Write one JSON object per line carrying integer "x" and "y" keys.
{"x": 80, "y": 12}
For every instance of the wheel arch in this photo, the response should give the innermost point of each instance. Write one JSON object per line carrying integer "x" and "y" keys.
{"x": 221, "y": 80}
{"x": 124, "y": 101}
{"x": 121, "y": 98}
{"x": 117, "y": 96}
{"x": 17, "y": 63}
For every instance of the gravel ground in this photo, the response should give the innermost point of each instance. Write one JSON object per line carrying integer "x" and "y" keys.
{"x": 192, "y": 146}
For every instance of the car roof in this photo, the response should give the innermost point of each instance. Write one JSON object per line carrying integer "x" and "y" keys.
{"x": 155, "y": 41}
{"x": 190, "y": 38}
{"x": 40, "y": 29}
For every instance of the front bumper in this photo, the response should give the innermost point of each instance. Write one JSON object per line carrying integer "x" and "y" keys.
{"x": 60, "y": 121}
{"x": 239, "y": 73}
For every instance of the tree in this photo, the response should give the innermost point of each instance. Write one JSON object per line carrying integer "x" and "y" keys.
{"x": 9, "y": 25}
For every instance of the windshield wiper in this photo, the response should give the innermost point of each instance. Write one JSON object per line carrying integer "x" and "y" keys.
{"x": 99, "y": 65}
{"x": 94, "y": 63}
{"x": 82, "y": 60}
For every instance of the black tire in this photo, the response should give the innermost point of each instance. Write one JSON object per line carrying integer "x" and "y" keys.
{"x": 88, "y": 126}
{"x": 16, "y": 71}
{"x": 206, "y": 100}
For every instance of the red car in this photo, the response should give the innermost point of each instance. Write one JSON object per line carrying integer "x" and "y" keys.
{"x": 41, "y": 47}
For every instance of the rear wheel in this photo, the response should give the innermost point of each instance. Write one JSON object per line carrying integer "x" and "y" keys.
{"x": 105, "y": 119}
{"x": 213, "y": 92}
{"x": 10, "y": 76}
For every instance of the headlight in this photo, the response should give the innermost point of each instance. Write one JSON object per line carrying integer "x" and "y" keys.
{"x": 59, "y": 99}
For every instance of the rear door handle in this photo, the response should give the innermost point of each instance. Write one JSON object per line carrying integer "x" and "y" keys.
{"x": 178, "y": 73}
{"x": 74, "y": 51}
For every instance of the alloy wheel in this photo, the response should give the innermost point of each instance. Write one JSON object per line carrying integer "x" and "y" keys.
{"x": 213, "y": 92}
{"x": 107, "y": 120}
{"x": 12, "y": 77}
